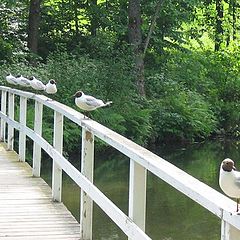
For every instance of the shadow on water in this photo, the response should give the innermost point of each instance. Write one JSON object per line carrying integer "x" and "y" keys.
{"x": 170, "y": 215}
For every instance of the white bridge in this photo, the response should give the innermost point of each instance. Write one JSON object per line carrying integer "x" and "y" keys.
{"x": 141, "y": 161}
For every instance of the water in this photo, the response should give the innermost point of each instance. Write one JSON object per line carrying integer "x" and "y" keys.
{"x": 170, "y": 215}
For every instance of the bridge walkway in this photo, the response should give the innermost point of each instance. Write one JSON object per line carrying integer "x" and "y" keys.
{"x": 26, "y": 207}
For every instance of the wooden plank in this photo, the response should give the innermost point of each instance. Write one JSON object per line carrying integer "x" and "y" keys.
{"x": 36, "y": 147}
{"x": 4, "y": 110}
{"x": 22, "y": 135}
{"x": 26, "y": 207}
{"x": 137, "y": 194}
{"x": 86, "y": 203}
{"x": 10, "y": 137}
{"x": 228, "y": 232}
{"x": 58, "y": 145}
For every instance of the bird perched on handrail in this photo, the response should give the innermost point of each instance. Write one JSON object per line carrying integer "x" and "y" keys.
{"x": 11, "y": 79}
{"x": 36, "y": 84}
{"x": 89, "y": 103}
{"x": 51, "y": 87}
{"x": 229, "y": 180}
{"x": 22, "y": 81}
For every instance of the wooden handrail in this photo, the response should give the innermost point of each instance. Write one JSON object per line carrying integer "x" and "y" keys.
{"x": 141, "y": 160}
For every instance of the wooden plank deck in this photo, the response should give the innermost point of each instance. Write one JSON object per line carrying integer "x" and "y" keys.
{"x": 26, "y": 207}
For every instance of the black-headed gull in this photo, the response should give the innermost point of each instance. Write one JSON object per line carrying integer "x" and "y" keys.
{"x": 22, "y": 81}
{"x": 229, "y": 179}
{"x": 51, "y": 87}
{"x": 36, "y": 84}
{"x": 89, "y": 103}
{"x": 11, "y": 79}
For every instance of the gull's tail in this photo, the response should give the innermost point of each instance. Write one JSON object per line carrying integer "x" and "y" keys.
{"x": 107, "y": 103}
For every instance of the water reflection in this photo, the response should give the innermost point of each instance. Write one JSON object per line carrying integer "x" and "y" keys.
{"x": 170, "y": 215}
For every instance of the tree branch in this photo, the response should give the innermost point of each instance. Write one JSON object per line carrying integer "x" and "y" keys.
{"x": 152, "y": 26}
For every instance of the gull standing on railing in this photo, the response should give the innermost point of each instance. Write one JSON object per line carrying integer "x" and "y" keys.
{"x": 11, "y": 79}
{"x": 89, "y": 103}
{"x": 229, "y": 180}
{"x": 36, "y": 84}
{"x": 51, "y": 87}
{"x": 22, "y": 81}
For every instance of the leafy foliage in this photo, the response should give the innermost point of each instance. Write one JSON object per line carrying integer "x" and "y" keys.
{"x": 192, "y": 92}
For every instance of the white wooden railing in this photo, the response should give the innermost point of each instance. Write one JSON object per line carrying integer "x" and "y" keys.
{"x": 141, "y": 161}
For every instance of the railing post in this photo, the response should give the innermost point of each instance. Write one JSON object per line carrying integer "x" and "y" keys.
{"x": 36, "y": 147}
{"x": 137, "y": 194}
{"x": 11, "y": 116}
{"x": 228, "y": 232}
{"x": 3, "y": 110}
{"x": 58, "y": 145}
{"x": 22, "y": 136}
{"x": 87, "y": 165}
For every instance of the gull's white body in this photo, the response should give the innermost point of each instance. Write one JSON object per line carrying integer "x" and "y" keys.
{"x": 89, "y": 103}
{"x": 11, "y": 79}
{"x": 51, "y": 88}
{"x": 22, "y": 81}
{"x": 230, "y": 183}
{"x": 37, "y": 84}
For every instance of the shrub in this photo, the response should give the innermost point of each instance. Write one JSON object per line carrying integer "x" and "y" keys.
{"x": 179, "y": 113}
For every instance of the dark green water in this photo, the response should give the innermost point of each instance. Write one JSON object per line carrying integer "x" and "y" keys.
{"x": 170, "y": 215}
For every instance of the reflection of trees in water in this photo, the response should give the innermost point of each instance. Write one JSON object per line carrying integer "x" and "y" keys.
{"x": 170, "y": 214}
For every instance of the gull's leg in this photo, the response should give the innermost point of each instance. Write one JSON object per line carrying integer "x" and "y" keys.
{"x": 237, "y": 204}
{"x": 86, "y": 115}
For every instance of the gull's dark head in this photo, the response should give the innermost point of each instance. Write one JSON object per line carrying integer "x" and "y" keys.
{"x": 228, "y": 165}
{"x": 78, "y": 94}
{"x": 31, "y": 78}
{"x": 52, "y": 81}
{"x": 18, "y": 76}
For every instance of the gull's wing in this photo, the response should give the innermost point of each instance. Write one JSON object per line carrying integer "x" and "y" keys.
{"x": 39, "y": 84}
{"x": 26, "y": 81}
{"x": 237, "y": 180}
{"x": 92, "y": 101}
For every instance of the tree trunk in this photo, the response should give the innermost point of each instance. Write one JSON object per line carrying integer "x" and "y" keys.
{"x": 135, "y": 39}
{"x": 33, "y": 25}
{"x": 76, "y": 17}
{"x": 152, "y": 26}
{"x": 219, "y": 22}
{"x": 93, "y": 20}
{"x": 234, "y": 19}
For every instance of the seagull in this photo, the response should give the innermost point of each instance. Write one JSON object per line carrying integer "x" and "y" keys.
{"x": 37, "y": 84}
{"x": 88, "y": 103}
{"x": 51, "y": 87}
{"x": 22, "y": 81}
{"x": 11, "y": 79}
{"x": 229, "y": 180}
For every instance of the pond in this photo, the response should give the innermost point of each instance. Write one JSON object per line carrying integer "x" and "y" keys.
{"x": 170, "y": 215}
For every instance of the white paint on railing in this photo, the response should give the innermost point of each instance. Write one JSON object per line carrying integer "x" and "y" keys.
{"x": 137, "y": 194}
{"x": 58, "y": 145}
{"x": 22, "y": 135}
{"x": 141, "y": 161}
{"x": 228, "y": 232}
{"x": 3, "y": 110}
{"x": 36, "y": 147}
{"x": 86, "y": 203}
{"x": 10, "y": 138}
